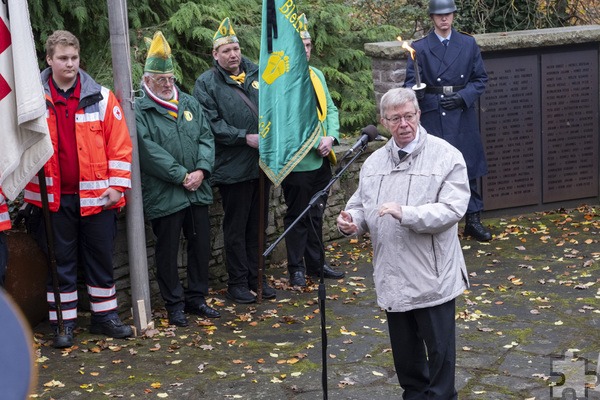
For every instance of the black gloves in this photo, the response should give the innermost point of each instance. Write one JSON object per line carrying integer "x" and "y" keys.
{"x": 30, "y": 216}
{"x": 420, "y": 94}
{"x": 450, "y": 102}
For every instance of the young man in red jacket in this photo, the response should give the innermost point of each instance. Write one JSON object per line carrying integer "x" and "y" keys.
{"x": 86, "y": 179}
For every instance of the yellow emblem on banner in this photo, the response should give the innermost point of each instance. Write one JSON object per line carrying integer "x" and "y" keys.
{"x": 277, "y": 65}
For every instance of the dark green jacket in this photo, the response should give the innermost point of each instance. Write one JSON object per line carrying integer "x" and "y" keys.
{"x": 168, "y": 149}
{"x": 231, "y": 119}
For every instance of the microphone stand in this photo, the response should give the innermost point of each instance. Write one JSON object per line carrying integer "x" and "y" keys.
{"x": 316, "y": 201}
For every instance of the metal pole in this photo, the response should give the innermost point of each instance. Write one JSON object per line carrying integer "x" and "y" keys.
{"x": 51, "y": 254}
{"x": 261, "y": 233}
{"x": 136, "y": 233}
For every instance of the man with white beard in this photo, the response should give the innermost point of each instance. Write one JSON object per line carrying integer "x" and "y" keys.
{"x": 176, "y": 150}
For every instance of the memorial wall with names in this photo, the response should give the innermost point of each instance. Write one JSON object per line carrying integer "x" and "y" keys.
{"x": 539, "y": 124}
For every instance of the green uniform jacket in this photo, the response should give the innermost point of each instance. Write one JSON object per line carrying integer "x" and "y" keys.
{"x": 331, "y": 125}
{"x": 168, "y": 149}
{"x": 230, "y": 119}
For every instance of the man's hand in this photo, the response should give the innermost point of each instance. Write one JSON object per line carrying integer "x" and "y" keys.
{"x": 420, "y": 93}
{"x": 325, "y": 146}
{"x": 252, "y": 140}
{"x": 194, "y": 180}
{"x": 392, "y": 208}
{"x": 112, "y": 197}
{"x": 452, "y": 101}
{"x": 345, "y": 224}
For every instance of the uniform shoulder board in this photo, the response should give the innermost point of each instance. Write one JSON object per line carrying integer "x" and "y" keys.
{"x": 419, "y": 39}
{"x": 466, "y": 33}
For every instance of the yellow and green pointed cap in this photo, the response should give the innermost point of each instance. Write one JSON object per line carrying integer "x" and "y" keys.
{"x": 224, "y": 35}
{"x": 159, "y": 60}
{"x": 303, "y": 26}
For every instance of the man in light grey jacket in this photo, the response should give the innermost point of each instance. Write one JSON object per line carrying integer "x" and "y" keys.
{"x": 411, "y": 195}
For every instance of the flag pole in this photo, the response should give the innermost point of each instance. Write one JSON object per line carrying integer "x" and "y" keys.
{"x": 282, "y": 151}
{"x": 136, "y": 232}
{"x": 50, "y": 253}
{"x": 261, "y": 232}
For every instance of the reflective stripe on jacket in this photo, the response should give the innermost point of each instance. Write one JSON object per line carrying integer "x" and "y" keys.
{"x": 103, "y": 147}
{"x": 4, "y": 216}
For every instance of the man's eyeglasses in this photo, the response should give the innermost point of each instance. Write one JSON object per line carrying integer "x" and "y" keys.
{"x": 163, "y": 80}
{"x": 409, "y": 118}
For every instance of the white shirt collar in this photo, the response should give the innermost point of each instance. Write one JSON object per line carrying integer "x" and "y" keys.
{"x": 409, "y": 148}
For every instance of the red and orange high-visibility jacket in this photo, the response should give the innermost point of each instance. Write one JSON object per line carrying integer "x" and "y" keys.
{"x": 103, "y": 146}
{"x": 4, "y": 217}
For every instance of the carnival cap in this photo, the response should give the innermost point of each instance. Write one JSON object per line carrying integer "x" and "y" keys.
{"x": 224, "y": 35}
{"x": 303, "y": 24}
{"x": 159, "y": 59}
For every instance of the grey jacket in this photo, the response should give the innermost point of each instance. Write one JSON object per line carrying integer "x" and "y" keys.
{"x": 418, "y": 262}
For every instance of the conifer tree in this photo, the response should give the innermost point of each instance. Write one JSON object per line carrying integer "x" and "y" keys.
{"x": 339, "y": 28}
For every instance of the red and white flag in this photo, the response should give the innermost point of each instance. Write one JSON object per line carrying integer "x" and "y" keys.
{"x": 25, "y": 144}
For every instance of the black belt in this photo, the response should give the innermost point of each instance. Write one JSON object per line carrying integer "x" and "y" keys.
{"x": 443, "y": 89}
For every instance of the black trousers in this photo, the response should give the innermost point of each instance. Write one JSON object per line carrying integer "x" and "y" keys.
{"x": 87, "y": 242}
{"x": 305, "y": 241}
{"x": 241, "y": 205}
{"x": 196, "y": 229}
{"x": 423, "y": 345}
{"x": 476, "y": 201}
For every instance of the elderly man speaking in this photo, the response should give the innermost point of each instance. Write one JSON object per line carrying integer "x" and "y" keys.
{"x": 410, "y": 197}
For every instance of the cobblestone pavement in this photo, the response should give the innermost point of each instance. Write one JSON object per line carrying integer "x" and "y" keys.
{"x": 530, "y": 318}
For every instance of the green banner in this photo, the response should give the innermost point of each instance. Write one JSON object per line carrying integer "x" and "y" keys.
{"x": 288, "y": 124}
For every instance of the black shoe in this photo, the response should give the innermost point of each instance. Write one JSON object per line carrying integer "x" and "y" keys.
{"x": 203, "y": 310}
{"x": 63, "y": 341}
{"x": 475, "y": 229}
{"x": 328, "y": 273}
{"x": 267, "y": 291}
{"x": 112, "y": 328}
{"x": 297, "y": 278}
{"x": 178, "y": 318}
{"x": 240, "y": 294}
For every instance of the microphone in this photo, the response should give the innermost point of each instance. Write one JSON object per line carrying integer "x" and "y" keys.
{"x": 368, "y": 134}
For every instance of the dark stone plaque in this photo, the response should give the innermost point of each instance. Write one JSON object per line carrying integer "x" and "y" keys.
{"x": 510, "y": 126}
{"x": 570, "y": 125}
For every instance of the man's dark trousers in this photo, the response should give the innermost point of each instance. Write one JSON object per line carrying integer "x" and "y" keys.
{"x": 195, "y": 223}
{"x": 423, "y": 346}
{"x": 241, "y": 207}
{"x": 305, "y": 240}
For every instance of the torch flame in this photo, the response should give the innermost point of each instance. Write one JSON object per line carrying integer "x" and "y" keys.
{"x": 407, "y": 47}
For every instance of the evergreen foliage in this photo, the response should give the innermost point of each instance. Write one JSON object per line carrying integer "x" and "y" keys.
{"x": 339, "y": 29}
{"x": 339, "y": 34}
{"x": 189, "y": 27}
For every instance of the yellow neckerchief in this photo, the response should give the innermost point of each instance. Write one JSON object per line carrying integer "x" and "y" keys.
{"x": 239, "y": 78}
{"x": 321, "y": 107}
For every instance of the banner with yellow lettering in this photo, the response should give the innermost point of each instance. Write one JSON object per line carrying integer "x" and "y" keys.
{"x": 288, "y": 125}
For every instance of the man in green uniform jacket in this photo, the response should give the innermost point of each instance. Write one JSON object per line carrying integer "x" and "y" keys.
{"x": 228, "y": 93}
{"x": 176, "y": 151}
